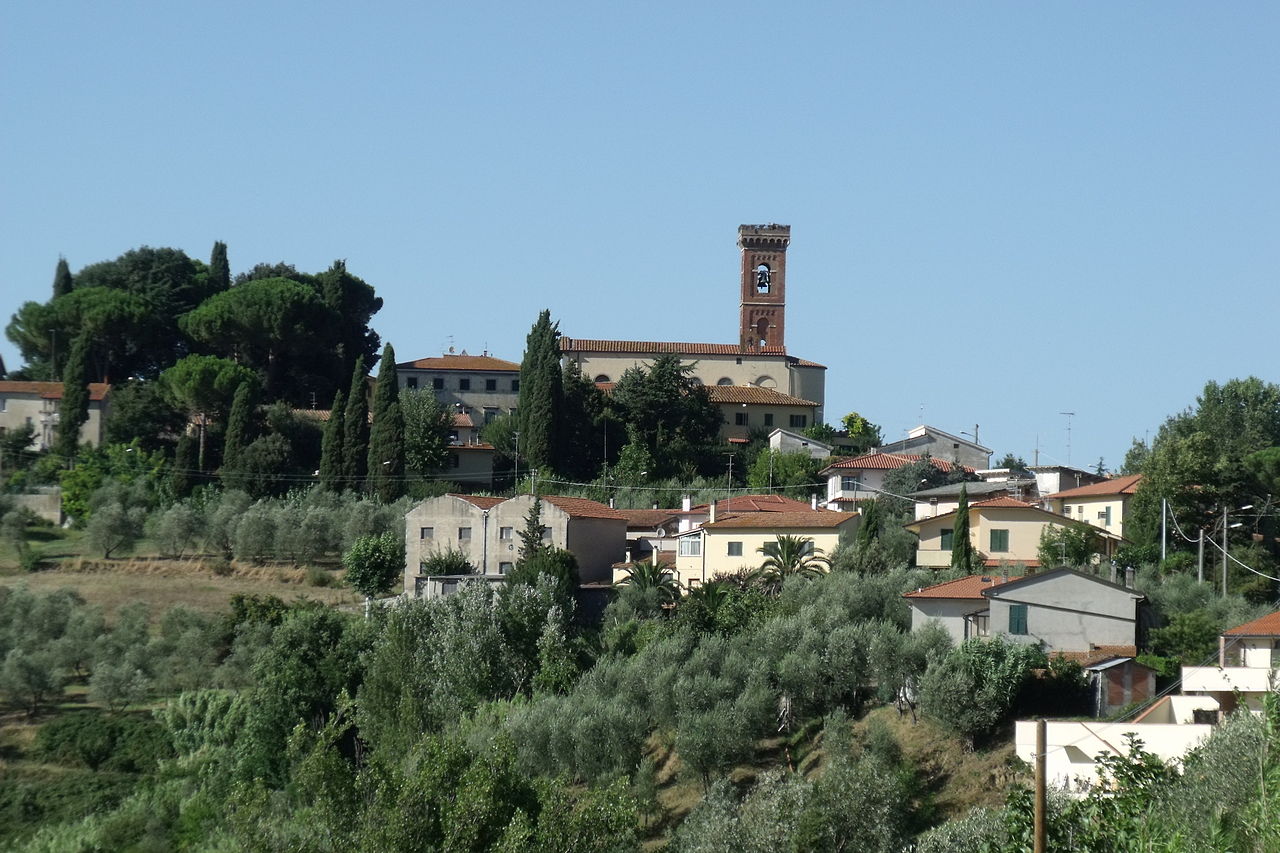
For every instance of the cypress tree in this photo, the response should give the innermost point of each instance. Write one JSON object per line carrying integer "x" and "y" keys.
{"x": 219, "y": 269}
{"x": 73, "y": 411}
{"x": 62, "y": 279}
{"x": 386, "y": 435}
{"x": 962, "y": 554}
{"x": 541, "y": 395}
{"x": 186, "y": 456}
{"x": 237, "y": 437}
{"x": 355, "y": 431}
{"x": 331, "y": 464}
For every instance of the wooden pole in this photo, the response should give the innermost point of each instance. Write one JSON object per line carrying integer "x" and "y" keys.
{"x": 1040, "y": 833}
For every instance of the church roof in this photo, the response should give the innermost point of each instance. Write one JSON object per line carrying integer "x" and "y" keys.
{"x": 575, "y": 345}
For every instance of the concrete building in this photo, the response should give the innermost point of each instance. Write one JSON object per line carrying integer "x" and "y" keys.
{"x": 730, "y": 542}
{"x": 37, "y": 404}
{"x": 1002, "y": 530}
{"x": 487, "y": 529}
{"x": 1248, "y": 667}
{"x": 862, "y": 477}
{"x": 786, "y": 441}
{"x": 479, "y": 385}
{"x": 758, "y": 360}
{"x": 939, "y": 444}
{"x": 1103, "y": 504}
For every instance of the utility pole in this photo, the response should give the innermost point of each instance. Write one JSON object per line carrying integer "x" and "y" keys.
{"x": 1069, "y": 415}
{"x": 1041, "y": 833}
{"x": 1200, "y": 557}
{"x": 1225, "y": 531}
{"x": 1164, "y": 529}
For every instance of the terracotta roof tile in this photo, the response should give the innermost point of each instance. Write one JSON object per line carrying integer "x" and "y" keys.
{"x": 51, "y": 390}
{"x": 572, "y": 345}
{"x": 479, "y": 501}
{"x": 461, "y": 362}
{"x": 462, "y": 420}
{"x": 966, "y": 587}
{"x": 1097, "y": 654}
{"x": 1267, "y": 626}
{"x": 647, "y": 519}
{"x": 782, "y": 520}
{"x": 1126, "y": 485}
{"x": 754, "y": 394}
{"x": 756, "y": 503}
{"x": 583, "y": 508}
{"x": 889, "y": 462}
{"x": 1002, "y": 501}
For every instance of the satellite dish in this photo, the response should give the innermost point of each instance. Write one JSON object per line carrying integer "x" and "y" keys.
{"x": 662, "y": 532}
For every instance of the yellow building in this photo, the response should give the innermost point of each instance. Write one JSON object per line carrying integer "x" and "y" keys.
{"x": 1003, "y": 530}
{"x": 732, "y": 541}
{"x": 1100, "y": 504}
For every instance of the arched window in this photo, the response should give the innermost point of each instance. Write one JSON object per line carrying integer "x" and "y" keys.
{"x": 765, "y": 382}
{"x": 762, "y": 330}
{"x": 725, "y": 381}
{"x": 603, "y": 378}
{"x": 764, "y": 278}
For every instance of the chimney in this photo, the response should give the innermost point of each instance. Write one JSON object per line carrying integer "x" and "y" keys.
{"x": 686, "y": 503}
{"x": 655, "y": 505}
{"x": 933, "y": 505}
{"x": 1113, "y": 571}
{"x": 1128, "y": 577}
{"x": 813, "y": 501}
{"x": 627, "y": 556}
{"x": 711, "y": 519}
{"x": 611, "y": 506}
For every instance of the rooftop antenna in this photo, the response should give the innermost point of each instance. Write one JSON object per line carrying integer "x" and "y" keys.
{"x": 1069, "y": 415}
{"x": 450, "y": 340}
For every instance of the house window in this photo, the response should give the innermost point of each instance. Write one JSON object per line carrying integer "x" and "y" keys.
{"x": 1018, "y": 619}
{"x": 691, "y": 546}
{"x": 740, "y": 418}
{"x": 1105, "y": 517}
{"x": 490, "y": 415}
{"x": 491, "y": 385}
{"x": 768, "y": 419}
{"x": 849, "y": 484}
{"x": 411, "y": 383}
{"x": 464, "y": 384}
{"x": 437, "y": 382}
{"x": 505, "y": 568}
{"x": 464, "y": 534}
{"x": 999, "y": 541}
{"x": 735, "y": 549}
{"x": 546, "y": 532}
{"x": 505, "y": 533}
{"x": 799, "y": 421}
{"x": 515, "y": 384}
{"x": 426, "y": 533}
{"x": 947, "y": 535}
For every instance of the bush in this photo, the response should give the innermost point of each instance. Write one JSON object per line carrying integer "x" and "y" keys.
{"x": 125, "y": 744}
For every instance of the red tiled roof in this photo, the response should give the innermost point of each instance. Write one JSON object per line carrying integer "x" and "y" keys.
{"x": 754, "y": 394}
{"x": 966, "y": 587}
{"x": 461, "y": 362}
{"x": 890, "y": 462}
{"x": 1267, "y": 626}
{"x": 461, "y": 419}
{"x": 1126, "y": 485}
{"x": 1097, "y": 654}
{"x": 51, "y": 390}
{"x": 782, "y": 520}
{"x": 583, "y": 508}
{"x": 756, "y": 503}
{"x": 1002, "y": 501}
{"x": 479, "y": 501}
{"x": 647, "y": 519}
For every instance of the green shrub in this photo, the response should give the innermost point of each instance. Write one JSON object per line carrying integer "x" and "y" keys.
{"x": 124, "y": 744}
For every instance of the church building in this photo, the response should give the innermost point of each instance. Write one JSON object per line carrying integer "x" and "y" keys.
{"x": 756, "y": 383}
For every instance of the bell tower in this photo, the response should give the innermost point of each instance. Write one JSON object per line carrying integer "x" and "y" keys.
{"x": 764, "y": 285}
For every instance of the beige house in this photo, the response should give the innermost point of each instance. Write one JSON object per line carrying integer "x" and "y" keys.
{"x": 1100, "y": 504}
{"x": 747, "y": 407}
{"x": 1248, "y": 666}
{"x": 36, "y": 404}
{"x": 1003, "y": 530}
{"x": 487, "y": 530}
{"x": 729, "y": 542}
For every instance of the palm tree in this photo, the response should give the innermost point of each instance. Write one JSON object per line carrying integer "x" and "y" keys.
{"x": 650, "y": 575}
{"x": 789, "y": 556}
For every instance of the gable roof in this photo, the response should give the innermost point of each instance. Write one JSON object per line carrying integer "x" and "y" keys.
{"x": 1125, "y": 485}
{"x": 755, "y": 503}
{"x": 890, "y": 462}
{"x": 51, "y": 390}
{"x": 1026, "y": 580}
{"x": 647, "y": 519}
{"x": 1266, "y": 626}
{"x": 1014, "y": 503}
{"x": 583, "y": 508}
{"x": 461, "y": 362}
{"x": 479, "y": 501}
{"x": 970, "y": 587}
{"x": 983, "y": 487}
{"x": 781, "y": 520}
{"x": 753, "y": 394}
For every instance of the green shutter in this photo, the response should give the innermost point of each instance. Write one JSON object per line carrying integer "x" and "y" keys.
{"x": 1018, "y": 619}
{"x": 947, "y": 535}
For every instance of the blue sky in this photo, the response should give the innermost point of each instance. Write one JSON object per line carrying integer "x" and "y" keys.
{"x": 1000, "y": 211}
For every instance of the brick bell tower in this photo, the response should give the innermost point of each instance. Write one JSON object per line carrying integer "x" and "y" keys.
{"x": 764, "y": 285}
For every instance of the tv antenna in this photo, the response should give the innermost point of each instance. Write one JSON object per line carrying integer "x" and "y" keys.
{"x": 1069, "y": 415}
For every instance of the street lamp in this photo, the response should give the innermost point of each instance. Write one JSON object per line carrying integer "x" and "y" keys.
{"x": 1226, "y": 544}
